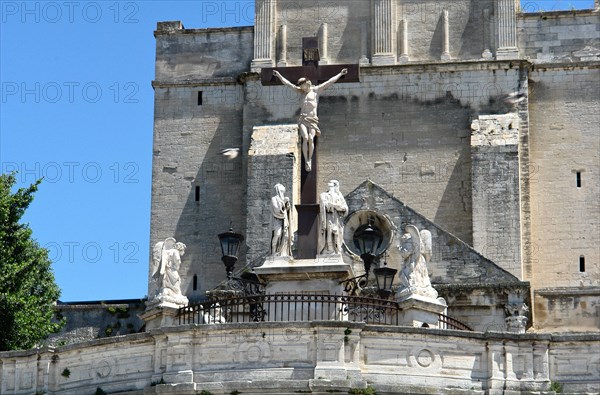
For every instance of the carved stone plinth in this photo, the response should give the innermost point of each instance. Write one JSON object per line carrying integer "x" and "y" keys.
{"x": 418, "y": 310}
{"x": 161, "y": 315}
{"x": 322, "y": 274}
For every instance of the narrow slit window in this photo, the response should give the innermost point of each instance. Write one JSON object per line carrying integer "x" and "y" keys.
{"x": 197, "y": 193}
{"x": 195, "y": 282}
{"x": 578, "y": 179}
{"x": 582, "y": 264}
{"x": 199, "y": 98}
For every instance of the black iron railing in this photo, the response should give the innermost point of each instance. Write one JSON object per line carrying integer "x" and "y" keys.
{"x": 292, "y": 307}
{"x": 446, "y": 322}
{"x": 301, "y": 307}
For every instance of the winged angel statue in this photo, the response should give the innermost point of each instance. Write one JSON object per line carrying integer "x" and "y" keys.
{"x": 415, "y": 249}
{"x": 166, "y": 260}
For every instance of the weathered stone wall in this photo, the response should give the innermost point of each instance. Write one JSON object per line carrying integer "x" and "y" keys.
{"x": 496, "y": 190}
{"x": 193, "y": 54}
{"x": 565, "y": 218}
{"x": 186, "y": 164}
{"x": 560, "y": 36}
{"x": 567, "y": 309}
{"x": 198, "y": 113}
{"x": 482, "y": 306}
{"x": 93, "y": 320}
{"x": 288, "y": 358}
{"x": 564, "y": 141}
{"x": 273, "y": 158}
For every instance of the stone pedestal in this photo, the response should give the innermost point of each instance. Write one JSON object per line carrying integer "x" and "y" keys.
{"x": 418, "y": 310}
{"x": 320, "y": 276}
{"x": 160, "y": 315}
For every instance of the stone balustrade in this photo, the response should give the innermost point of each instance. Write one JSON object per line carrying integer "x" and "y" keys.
{"x": 288, "y": 358}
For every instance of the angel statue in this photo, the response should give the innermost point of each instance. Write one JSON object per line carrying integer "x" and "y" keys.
{"x": 281, "y": 239}
{"x": 166, "y": 260}
{"x": 415, "y": 249}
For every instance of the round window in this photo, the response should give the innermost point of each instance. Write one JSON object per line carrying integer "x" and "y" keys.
{"x": 358, "y": 220}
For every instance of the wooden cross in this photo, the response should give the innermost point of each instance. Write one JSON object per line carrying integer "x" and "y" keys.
{"x": 310, "y": 68}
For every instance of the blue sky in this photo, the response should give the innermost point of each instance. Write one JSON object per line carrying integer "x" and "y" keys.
{"x": 76, "y": 107}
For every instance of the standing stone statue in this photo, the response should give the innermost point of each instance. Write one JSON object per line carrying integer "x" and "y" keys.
{"x": 415, "y": 249}
{"x": 308, "y": 122}
{"x": 332, "y": 210}
{"x": 281, "y": 239}
{"x": 166, "y": 261}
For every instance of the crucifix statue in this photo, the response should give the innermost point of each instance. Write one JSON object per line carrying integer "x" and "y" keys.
{"x": 312, "y": 79}
{"x": 308, "y": 122}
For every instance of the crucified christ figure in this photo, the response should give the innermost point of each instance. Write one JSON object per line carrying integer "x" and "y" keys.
{"x": 308, "y": 123}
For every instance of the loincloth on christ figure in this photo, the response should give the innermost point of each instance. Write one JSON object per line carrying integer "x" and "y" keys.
{"x": 310, "y": 123}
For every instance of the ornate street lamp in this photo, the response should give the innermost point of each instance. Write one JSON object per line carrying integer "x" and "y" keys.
{"x": 368, "y": 239}
{"x": 385, "y": 277}
{"x": 230, "y": 244}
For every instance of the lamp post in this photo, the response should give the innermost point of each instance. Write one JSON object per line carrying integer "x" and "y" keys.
{"x": 385, "y": 278}
{"x": 230, "y": 244}
{"x": 368, "y": 239}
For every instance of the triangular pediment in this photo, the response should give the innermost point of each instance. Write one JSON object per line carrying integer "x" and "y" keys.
{"x": 453, "y": 261}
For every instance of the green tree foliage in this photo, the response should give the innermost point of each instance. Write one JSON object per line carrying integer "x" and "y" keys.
{"x": 27, "y": 287}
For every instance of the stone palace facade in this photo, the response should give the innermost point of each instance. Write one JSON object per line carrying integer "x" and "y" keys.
{"x": 464, "y": 133}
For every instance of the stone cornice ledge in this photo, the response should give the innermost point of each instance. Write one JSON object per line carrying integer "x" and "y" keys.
{"x": 175, "y": 27}
{"x": 195, "y": 82}
{"x": 439, "y": 66}
{"x": 542, "y": 66}
{"x": 568, "y": 291}
{"x": 474, "y": 286}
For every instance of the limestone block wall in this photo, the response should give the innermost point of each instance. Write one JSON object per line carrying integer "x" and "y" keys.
{"x": 482, "y": 306}
{"x": 288, "y": 358}
{"x": 567, "y": 309}
{"x": 496, "y": 190}
{"x": 560, "y": 36}
{"x": 93, "y": 320}
{"x": 192, "y": 54}
{"x": 564, "y": 143}
{"x": 196, "y": 192}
